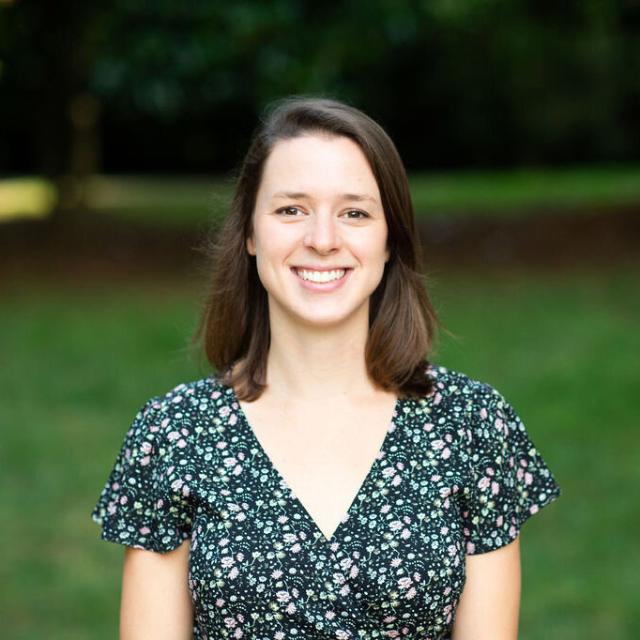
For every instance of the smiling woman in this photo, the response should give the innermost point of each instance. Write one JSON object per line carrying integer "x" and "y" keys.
{"x": 326, "y": 480}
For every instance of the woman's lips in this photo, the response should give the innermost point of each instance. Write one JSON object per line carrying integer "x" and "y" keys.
{"x": 332, "y": 285}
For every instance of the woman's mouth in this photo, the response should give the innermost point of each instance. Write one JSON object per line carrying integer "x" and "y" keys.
{"x": 325, "y": 280}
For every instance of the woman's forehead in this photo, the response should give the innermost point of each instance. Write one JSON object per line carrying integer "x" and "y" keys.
{"x": 316, "y": 164}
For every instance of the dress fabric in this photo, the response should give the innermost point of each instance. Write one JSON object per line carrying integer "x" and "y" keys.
{"x": 457, "y": 474}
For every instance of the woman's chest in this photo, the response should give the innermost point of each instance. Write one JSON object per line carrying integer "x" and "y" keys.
{"x": 397, "y": 557}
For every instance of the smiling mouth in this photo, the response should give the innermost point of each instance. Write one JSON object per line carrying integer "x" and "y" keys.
{"x": 320, "y": 277}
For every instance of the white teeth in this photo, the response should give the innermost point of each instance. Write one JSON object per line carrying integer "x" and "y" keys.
{"x": 321, "y": 276}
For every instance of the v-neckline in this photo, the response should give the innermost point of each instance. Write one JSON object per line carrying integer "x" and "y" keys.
{"x": 391, "y": 427}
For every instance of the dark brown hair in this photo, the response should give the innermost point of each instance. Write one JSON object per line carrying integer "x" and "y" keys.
{"x": 234, "y": 326}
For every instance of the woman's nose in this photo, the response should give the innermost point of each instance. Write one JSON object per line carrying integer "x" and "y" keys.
{"x": 323, "y": 233}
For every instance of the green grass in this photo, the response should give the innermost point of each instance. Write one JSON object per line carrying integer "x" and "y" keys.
{"x": 78, "y": 363}
{"x": 188, "y": 201}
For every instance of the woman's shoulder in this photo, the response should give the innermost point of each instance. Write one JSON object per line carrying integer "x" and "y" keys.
{"x": 186, "y": 401}
{"x": 450, "y": 383}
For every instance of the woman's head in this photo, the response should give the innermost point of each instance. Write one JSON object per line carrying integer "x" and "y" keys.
{"x": 402, "y": 322}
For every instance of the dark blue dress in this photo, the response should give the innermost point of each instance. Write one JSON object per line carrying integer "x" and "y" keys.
{"x": 457, "y": 474}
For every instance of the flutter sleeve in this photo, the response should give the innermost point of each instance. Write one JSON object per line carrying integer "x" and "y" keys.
{"x": 508, "y": 480}
{"x": 143, "y": 503}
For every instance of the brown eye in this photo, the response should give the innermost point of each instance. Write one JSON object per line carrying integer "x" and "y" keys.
{"x": 287, "y": 210}
{"x": 359, "y": 214}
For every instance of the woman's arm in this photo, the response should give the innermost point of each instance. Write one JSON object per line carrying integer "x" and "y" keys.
{"x": 490, "y": 602}
{"x": 156, "y": 601}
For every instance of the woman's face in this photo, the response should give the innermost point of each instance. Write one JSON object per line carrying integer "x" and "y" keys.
{"x": 319, "y": 230}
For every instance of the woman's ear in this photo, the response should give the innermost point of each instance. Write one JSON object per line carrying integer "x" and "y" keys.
{"x": 251, "y": 247}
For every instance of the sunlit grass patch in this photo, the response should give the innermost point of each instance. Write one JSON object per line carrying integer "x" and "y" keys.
{"x": 26, "y": 198}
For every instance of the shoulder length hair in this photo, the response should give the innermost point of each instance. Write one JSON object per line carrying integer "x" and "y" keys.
{"x": 234, "y": 325}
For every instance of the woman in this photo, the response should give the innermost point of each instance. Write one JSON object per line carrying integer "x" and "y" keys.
{"x": 329, "y": 482}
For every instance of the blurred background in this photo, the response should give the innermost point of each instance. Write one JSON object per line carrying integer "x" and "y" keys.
{"x": 121, "y": 126}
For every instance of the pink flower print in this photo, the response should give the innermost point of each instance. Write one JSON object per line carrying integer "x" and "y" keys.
{"x": 353, "y": 573}
{"x": 444, "y": 531}
{"x": 224, "y": 411}
{"x": 341, "y": 634}
{"x": 411, "y": 593}
{"x": 483, "y": 483}
{"x": 499, "y": 521}
{"x": 221, "y": 445}
{"x": 230, "y": 622}
{"x": 276, "y": 573}
{"x": 388, "y": 472}
{"x": 186, "y": 492}
{"x": 346, "y": 590}
{"x": 519, "y": 473}
{"x": 437, "y": 399}
{"x": 296, "y": 548}
{"x": 282, "y": 519}
{"x": 334, "y": 546}
{"x": 124, "y": 500}
{"x": 177, "y": 399}
{"x": 146, "y": 447}
{"x": 396, "y": 480}
{"x": 534, "y": 508}
{"x": 233, "y": 418}
{"x": 291, "y": 608}
{"x": 512, "y": 531}
{"x": 176, "y": 485}
{"x": 289, "y": 537}
{"x": 437, "y": 444}
{"x": 241, "y": 517}
{"x": 279, "y": 635}
{"x": 404, "y": 582}
{"x": 452, "y": 550}
{"x": 417, "y": 577}
{"x": 181, "y": 443}
{"x": 396, "y": 525}
{"x": 215, "y": 395}
{"x": 165, "y": 423}
{"x": 233, "y": 574}
{"x": 238, "y": 633}
{"x": 495, "y": 488}
{"x": 470, "y": 548}
{"x": 396, "y": 562}
{"x": 385, "y": 509}
{"x": 283, "y": 596}
{"x": 229, "y": 462}
{"x": 223, "y": 542}
{"x": 400, "y": 465}
{"x": 237, "y": 470}
{"x": 220, "y": 602}
{"x": 446, "y": 453}
{"x": 405, "y": 534}
{"x": 388, "y": 619}
{"x": 227, "y": 561}
{"x": 435, "y": 478}
{"x": 338, "y": 578}
{"x": 145, "y": 531}
{"x": 528, "y": 478}
{"x": 345, "y": 563}
{"x": 145, "y": 461}
{"x": 428, "y": 426}
{"x": 483, "y": 413}
{"x": 330, "y": 615}
{"x": 489, "y": 471}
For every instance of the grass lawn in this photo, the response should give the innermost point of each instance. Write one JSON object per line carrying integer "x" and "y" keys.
{"x": 78, "y": 363}
{"x": 189, "y": 201}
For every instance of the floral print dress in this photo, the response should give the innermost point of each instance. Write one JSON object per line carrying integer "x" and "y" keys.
{"x": 457, "y": 474}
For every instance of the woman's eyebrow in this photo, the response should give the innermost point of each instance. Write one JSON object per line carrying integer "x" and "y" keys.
{"x": 352, "y": 197}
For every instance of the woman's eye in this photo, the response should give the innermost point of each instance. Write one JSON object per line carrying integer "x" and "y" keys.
{"x": 357, "y": 214}
{"x": 288, "y": 210}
